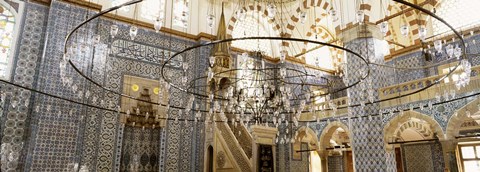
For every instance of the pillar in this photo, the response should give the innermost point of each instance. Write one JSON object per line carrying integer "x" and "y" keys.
{"x": 367, "y": 135}
{"x": 449, "y": 148}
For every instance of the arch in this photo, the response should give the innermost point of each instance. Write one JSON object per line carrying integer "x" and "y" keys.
{"x": 393, "y": 33}
{"x": 325, "y": 5}
{"x": 456, "y": 121}
{"x": 321, "y": 33}
{"x": 251, "y": 8}
{"x": 254, "y": 25}
{"x": 328, "y": 131}
{"x": 421, "y": 129}
{"x": 224, "y": 83}
{"x": 302, "y": 131}
{"x": 461, "y": 13}
{"x": 210, "y": 167}
{"x": 395, "y": 123}
{"x": 8, "y": 41}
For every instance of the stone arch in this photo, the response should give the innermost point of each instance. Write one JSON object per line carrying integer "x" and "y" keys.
{"x": 328, "y": 37}
{"x": 395, "y": 123}
{"x": 307, "y": 131}
{"x": 328, "y": 131}
{"x": 413, "y": 18}
{"x": 392, "y": 34}
{"x": 223, "y": 84}
{"x": 455, "y": 121}
{"x": 252, "y": 8}
{"x": 421, "y": 128}
{"x": 306, "y": 5}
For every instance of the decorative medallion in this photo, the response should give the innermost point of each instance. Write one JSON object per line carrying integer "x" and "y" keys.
{"x": 221, "y": 159}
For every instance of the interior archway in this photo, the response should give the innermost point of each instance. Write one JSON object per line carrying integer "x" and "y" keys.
{"x": 335, "y": 146}
{"x": 393, "y": 128}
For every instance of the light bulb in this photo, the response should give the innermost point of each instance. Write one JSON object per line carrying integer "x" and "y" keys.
{"x": 333, "y": 15}
{"x": 384, "y": 27}
{"x": 404, "y": 30}
{"x": 210, "y": 74}
{"x": 422, "y": 33}
{"x": 133, "y": 32}
{"x": 211, "y": 59}
{"x": 243, "y": 57}
{"x": 185, "y": 66}
{"x": 449, "y": 50}
{"x": 283, "y": 56}
{"x": 272, "y": 10}
{"x": 283, "y": 72}
{"x": 113, "y": 30}
{"x": 438, "y": 45}
{"x": 303, "y": 17}
{"x": 210, "y": 20}
{"x": 457, "y": 52}
{"x": 96, "y": 39}
{"x": 158, "y": 24}
{"x": 360, "y": 16}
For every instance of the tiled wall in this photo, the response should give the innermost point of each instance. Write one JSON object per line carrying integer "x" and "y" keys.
{"x": 55, "y": 136}
{"x": 427, "y": 157}
{"x": 15, "y": 127}
{"x": 59, "y": 133}
{"x": 335, "y": 164}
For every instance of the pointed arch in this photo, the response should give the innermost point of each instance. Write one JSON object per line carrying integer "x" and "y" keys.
{"x": 328, "y": 131}
{"x": 310, "y": 132}
{"x": 389, "y": 130}
{"x": 455, "y": 121}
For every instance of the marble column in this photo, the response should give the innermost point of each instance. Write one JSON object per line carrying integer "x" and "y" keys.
{"x": 367, "y": 134}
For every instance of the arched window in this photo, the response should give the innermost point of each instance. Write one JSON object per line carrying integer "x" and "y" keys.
{"x": 7, "y": 39}
{"x": 458, "y": 13}
{"x": 253, "y": 25}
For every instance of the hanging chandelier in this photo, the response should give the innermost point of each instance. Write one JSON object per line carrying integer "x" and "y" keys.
{"x": 255, "y": 90}
{"x": 261, "y": 91}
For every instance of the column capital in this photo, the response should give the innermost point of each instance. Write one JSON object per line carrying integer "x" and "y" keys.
{"x": 449, "y": 145}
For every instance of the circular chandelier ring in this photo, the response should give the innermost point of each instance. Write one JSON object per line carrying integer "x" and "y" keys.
{"x": 265, "y": 38}
{"x": 457, "y": 34}
{"x": 138, "y": 1}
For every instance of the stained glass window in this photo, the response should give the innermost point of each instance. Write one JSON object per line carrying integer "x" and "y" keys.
{"x": 181, "y": 13}
{"x": 7, "y": 24}
{"x": 458, "y": 13}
